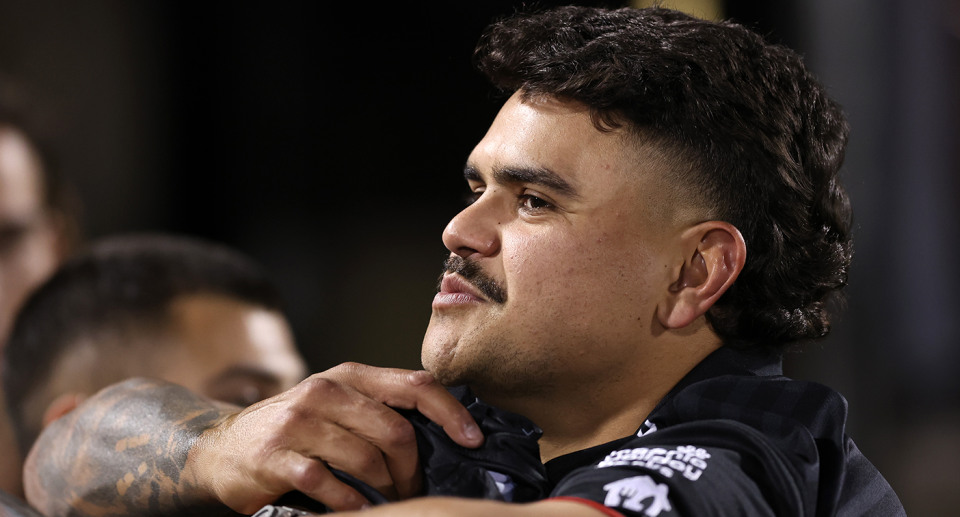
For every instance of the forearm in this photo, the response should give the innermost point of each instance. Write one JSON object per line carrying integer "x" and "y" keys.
{"x": 456, "y": 507}
{"x": 125, "y": 452}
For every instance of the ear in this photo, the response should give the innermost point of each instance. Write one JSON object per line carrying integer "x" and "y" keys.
{"x": 61, "y": 406}
{"x": 714, "y": 254}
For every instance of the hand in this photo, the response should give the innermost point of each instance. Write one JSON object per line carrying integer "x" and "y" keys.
{"x": 335, "y": 419}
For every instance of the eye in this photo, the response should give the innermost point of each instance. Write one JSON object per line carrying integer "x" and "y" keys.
{"x": 531, "y": 202}
{"x": 242, "y": 391}
{"x": 474, "y": 195}
{"x": 248, "y": 396}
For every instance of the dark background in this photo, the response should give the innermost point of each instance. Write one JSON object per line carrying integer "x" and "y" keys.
{"x": 327, "y": 141}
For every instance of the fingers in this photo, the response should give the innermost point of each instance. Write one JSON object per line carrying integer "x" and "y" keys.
{"x": 351, "y": 453}
{"x": 389, "y": 431}
{"x": 337, "y": 419}
{"x": 267, "y": 462}
{"x": 437, "y": 404}
{"x": 415, "y": 390}
{"x": 384, "y": 437}
{"x": 396, "y": 443}
{"x": 311, "y": 477}
{"x": 330, "y": 421}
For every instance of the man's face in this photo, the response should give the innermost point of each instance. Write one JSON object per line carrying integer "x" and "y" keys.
{"x": 565, "y": 255}
{"x": 29, "y": 241}
{"x": 228, "y": 350}
{"x": 219, "y": 347}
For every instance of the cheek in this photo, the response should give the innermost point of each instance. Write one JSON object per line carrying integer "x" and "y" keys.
{"x": 535, "y": 263}
{"x": 578, "y": 273}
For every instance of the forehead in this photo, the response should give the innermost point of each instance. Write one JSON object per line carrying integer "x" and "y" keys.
{"x": 217, "y": 324}
{"x": 605, "y": 166}
{"x": 220, "y": 332}
{"x": 543, "y": 131}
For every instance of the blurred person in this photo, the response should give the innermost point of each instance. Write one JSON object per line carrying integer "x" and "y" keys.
{"x": 37, "y": 230}
{"x": 657, "y": 215}
{"x": 174, "y": 308}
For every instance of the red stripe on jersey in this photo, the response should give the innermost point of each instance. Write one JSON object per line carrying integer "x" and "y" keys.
{"x": 609, "y": 512}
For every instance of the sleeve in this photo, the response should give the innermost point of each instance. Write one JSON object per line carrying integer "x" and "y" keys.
{"x": 715, "y": 468}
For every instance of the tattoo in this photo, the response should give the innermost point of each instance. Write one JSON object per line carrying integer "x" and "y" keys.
{"x": 124, "y": 452}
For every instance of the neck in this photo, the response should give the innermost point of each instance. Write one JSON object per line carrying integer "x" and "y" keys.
{"x": 579, "y": 415}
{"x": 576, "y": 424}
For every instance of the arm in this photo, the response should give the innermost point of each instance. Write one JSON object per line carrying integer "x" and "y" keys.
{"x": 152, "y": 448}
{"x": 454, "y": 507}
{"x": 123, "y": 451}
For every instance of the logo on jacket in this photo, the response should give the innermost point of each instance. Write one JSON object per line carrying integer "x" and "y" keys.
{"x": 646, "y": 428}
{"x": 630, "y": 493}
{"x": 688, "y": 460}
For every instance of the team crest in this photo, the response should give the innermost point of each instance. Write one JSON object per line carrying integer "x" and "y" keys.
{"x": 633, "y": 493}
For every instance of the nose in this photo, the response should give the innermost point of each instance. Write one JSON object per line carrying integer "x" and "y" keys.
{"x": 475, "y": 230}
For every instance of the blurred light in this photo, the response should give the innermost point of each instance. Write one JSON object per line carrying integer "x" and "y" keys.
{"x": 705, "y": 9}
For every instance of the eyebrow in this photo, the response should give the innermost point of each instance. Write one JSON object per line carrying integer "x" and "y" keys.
{"x": 533, "y": 175}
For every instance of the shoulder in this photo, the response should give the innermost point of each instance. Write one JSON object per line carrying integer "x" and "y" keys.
{"x": 755, "y": 400}
{"x": 735, "y": 445}
{"x": 718, "y": 467}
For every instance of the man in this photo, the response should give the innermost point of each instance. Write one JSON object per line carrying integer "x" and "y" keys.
{"x": 35, "y": 236}
{"x": 190, "y": 312}
{"x": 657, "y": 214}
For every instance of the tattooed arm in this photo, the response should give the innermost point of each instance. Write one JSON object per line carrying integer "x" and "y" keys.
{"x": 124, "y": 452}
{"x": 146, "y": 447}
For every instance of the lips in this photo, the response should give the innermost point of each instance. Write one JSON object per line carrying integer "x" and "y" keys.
{"x": 455, "y": 291}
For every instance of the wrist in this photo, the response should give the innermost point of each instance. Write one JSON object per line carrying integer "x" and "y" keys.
{"x": 206, "y": 468}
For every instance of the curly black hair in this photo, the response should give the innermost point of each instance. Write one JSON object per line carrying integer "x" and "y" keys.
{"x": 761, "y": 141}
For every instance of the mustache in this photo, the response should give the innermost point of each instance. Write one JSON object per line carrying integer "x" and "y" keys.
{"x": 472, "y": 273}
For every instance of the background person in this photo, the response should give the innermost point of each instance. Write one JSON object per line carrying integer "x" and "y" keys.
{"x": 37, "y": 231}
{"x": 174, "y": 308}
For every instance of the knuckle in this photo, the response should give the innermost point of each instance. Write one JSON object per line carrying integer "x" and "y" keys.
{"x": 342, "y": 498}
{"x": 317, "y": 386}
{"x": 316, "y": 481}
{"x": 398, "y": 432}
{"x": 348, "y": 370}
{"x": 293, "y": 416}
{"x": 309, "y": 476}
{"x": 421, "y": 379}
{"x": 352, "y": 366}
{"x": 420, "y": 382}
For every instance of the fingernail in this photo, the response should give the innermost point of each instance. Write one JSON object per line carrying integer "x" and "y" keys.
{"x": 472, "y": 432}
{"x": 365, "y": 507}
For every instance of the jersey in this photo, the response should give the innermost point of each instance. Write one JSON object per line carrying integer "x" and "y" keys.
{"x": 734, "y": 437}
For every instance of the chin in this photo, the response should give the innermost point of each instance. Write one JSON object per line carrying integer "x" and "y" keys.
{"x": 439, "y": 359}
{"x": 452, "y": 360}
